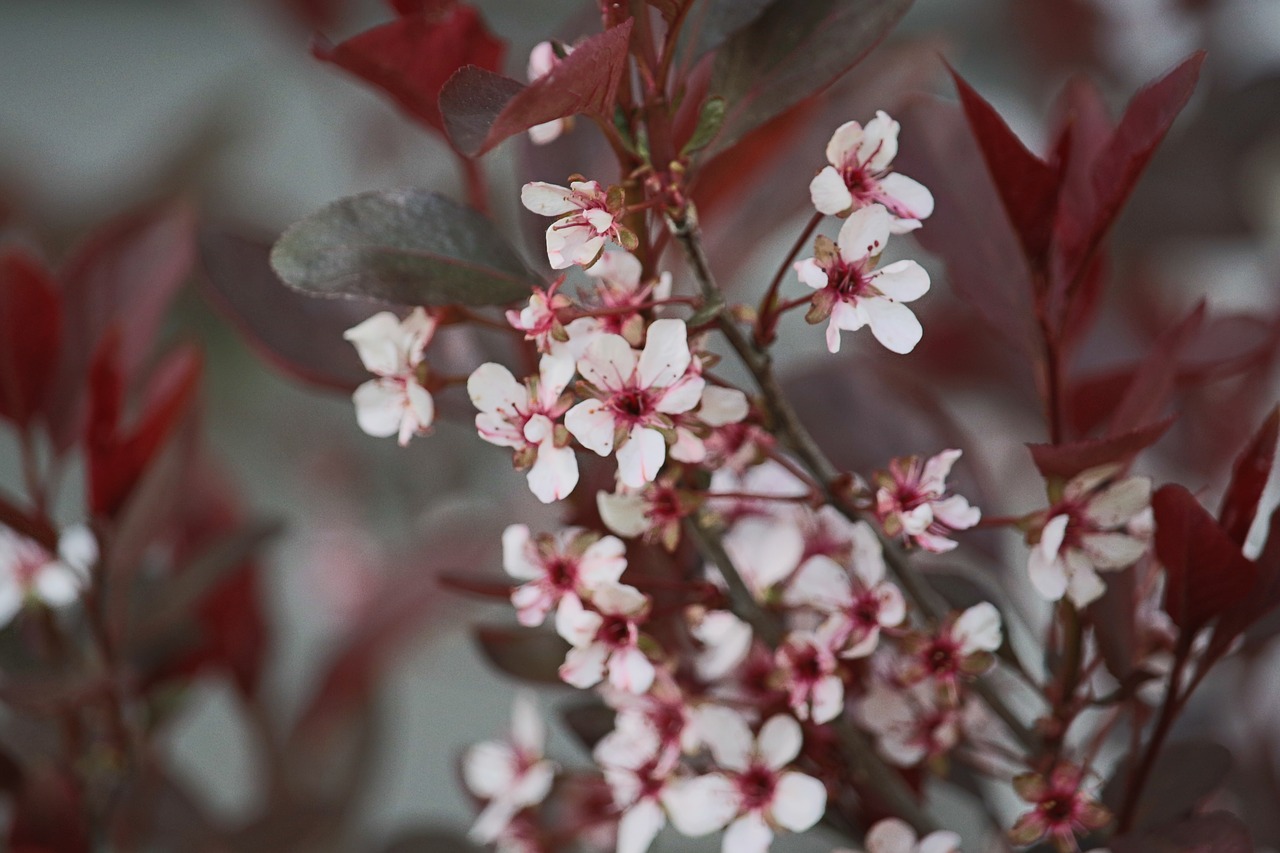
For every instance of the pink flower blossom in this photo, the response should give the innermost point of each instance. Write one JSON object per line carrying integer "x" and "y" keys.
{"x": 573, "y": 563}
{"x": 542, "y": 59}
{"x": 909, "y": 722}
{"x": 852, "y": 293}
{"x": 616, "y": 287}
{"x": 540, "y": 319}
{"x": 606, "y": 640}
{"x": 857, "y": 606}
{"x": 861, "y": 174}
{"x": 653, "y": 512}
{"x": 725, "y": 641}
{"x": 720, "y": 407}
{"x": 809, "y": 672}
{"x": 640, "y": 775}
{"x": 395, "y": 403}
{"x": 893, "y": 835}
{"x": 509, "y": 775}
{"x": 29, "y": 573}
{"x": 634, "y": 397}
{"x": 523, "y": 416}
{"x": 753, "y": 793}
{"x": 587, "y": 217}
{"x": 1061, "y": 808}
{"x": 912, "y": 502}
{"x": 1087, "y": 532}
{"x": 961, "y": 647}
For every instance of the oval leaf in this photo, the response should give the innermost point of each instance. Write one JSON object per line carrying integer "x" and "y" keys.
{"x": 409, "y": 246}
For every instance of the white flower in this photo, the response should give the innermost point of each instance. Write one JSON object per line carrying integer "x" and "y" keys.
{"x": 852, "y": 293}
{"x": 523, "y": 417}
{"x": 605, "y": 640}
{"x": 858, "y": 606}
{"x": 395, "y": 403}
{"x": 765, "y": 550}
{"x": 510, "y": 775}
{"x": 542, "y": 59}
{"x": 912, "y": 502}
{"x": 910, "y": 723}
{"x": 572, "y": 564}
{"x": 30, "y": 573}
{"x": 861, "y": 174}
{"x": 639, "y": 773}
{"x": 634, "y": 397}
{"x": 1087, "y": 532}
{"x": 617, "y": 294}
{"x": 586, "y": 220}
{"x": 725, "y": 640}
{"x": 753, "y": 793}
{"x": 720, "y": 407}
{"x": 961, "y": 647}
{"x": 809, "y": 675}
{"x": 893, "y": 835}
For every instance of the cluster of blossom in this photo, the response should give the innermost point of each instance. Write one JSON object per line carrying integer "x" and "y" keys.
{"x": 715, "y": 728}
{"x": 32, "y": 576}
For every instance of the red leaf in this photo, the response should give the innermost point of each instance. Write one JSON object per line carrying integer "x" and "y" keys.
{"x": 125, "y": 274}
{"x": 1028, "y": 186}
{"x": 1206, "y": 573}
{"x": 1216, "y": 832}
{"x": 1119, "y": 165}
{"x": 523, "y": 653}
{"x": 411, "y": 58}
{"x": 1154, "y": 382}
{"x": 30, "y": 335}
{"x": 118, "y": 459}
{"x": 49, "y": 814}
{"x": 1248, "y": 479}
{"x": 482, "y": 108}
{"x": 1067, "y": 460}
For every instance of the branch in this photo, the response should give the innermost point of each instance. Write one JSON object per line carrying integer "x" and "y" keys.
{"x": 803, "y": 444}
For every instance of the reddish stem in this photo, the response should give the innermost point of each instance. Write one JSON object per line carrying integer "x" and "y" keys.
{"x": 767, "y": 318}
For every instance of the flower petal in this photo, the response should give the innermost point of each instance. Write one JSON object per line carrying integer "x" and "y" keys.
{"x": 640, "y": 459}
{"x": 492, "y": 388}
{"x": 701, "y": 805}
{"x": 608, "y": 362}
{"x": 979, "y": 628}
{"x": 721, "y": 406}
{"x": 548, "y": 199}
{"x": 554, "y": 473}
{"x": 811, "y": 274}
{"x": 893, "y": 324}
{"x": 864, "y": 233}
{"x": 380, "y": 407}
{"x": 592, "y": 423}
{"x": 829, "y": 193}
{"x": 798, "y": 801}
{"x": 891, "y": 835}
{"x": 666, "y": 353}
{"x": 906, "y": 197}
{"x": 844, "y": 142}
{"x": 779, "y": 741}
{"x": 902, "y": 281}
{"x": 623, "y": 513}
{"x": 639, "y": 825}
{"x": 747, "y": 834}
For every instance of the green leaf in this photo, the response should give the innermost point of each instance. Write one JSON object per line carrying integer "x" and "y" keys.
{"x": 408, "y": 246}
{"x": 791, "y": 52}
{"x": 710, "y": 119}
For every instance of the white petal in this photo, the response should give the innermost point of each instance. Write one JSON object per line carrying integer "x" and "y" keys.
{"x": 666, "y": 353}
{"x": 879, "y": 144}
{"x": 747, "y": 834}
{"x": 554, "y": 374}
{"x": 864, "y": 233}
{"x": 517, "y": 555}
{"x": 902, "y": 281}
{"x": 1119, "y": 502}
{"x": 811, "y": 274}
{"x": 701, "y": 805}
{"x": 721, "y": 406}
{"x": 630, "y": 671}
{"x": 891, "y": 835}
{"x": 527, "y": 729}
{"x": 377, "y": 342}
{"x": 535, "y": 784}
{"x": 956, "y": 512}
{"x": 726, "y": 733}
{"x": 867, "y": 554}
{"x": 541, "y": 60}
{"x": 1112, "y": 550}
{"x": 682, "y": 396}
{"x": 547, "y": 132}
{"x": 910, "y": 198}
{"x": 641, "y": 457}
{"x": 57, "y": 584}
{"x": 844, "y": 142}
{"x": 608, "y": 362}
{"x": 765, "y": 551}
{"x": 493, "y": 820}
{"x": 554, "y": 473}
{"x": 576, "y": 624}
{"x": 944, "y": 842}
{"x": 583, "y": 668}
{"x": 78, "y": 548}
{"x": 488, "y": 769}
{"x": 829, "y": 193}
{"x": 779, "y": 742}
{"x": 893, "y": 324}
{"x": 379, "y": 407}
{"x": 979, "y": 628}
{"x": 422, "y": 408}
{"x": 1048, "y": 574}
{"x": 820, "y": 582}
{"x": 639, "y": 825}
{"x": 618, "y": 268}
{"x": 603, "y": 562}
{"x": 547, "y": 199}
{"x": 623, "y": 513}
{"x": 798, "y": 801}
{"x": 1083, "y": 585}
{"x": 592, "y": 423}
{"x": 828, "y": 699}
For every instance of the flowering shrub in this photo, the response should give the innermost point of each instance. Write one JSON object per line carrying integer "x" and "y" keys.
{"x": 767, "y": 641}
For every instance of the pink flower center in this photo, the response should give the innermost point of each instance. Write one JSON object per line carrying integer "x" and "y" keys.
{"x": 562, "y": 574}
{"x": 806, "y": 664}
{"x": 632, "y": 404}
{"x": 865, "y": 612}
{"x": 755, "y": 786}
{"x": 850, "y": 281}
{"x": 941, "y": 657}
{"x": 616, "y": 632}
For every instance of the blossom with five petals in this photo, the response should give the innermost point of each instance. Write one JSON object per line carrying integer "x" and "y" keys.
{"x": 395, "y": 403}
{"x": 509, "y": 775}
{"x": 573, "y": 563}
{"x": 30, "y": 573}
{"x": 633, "y": 397}
{"x": 606, "y": 639}
{"x": 912, "y": 502}
{"x": 861, "y": 173}
{"x": 852, "y": 293}
{"x": 587, "y": 216}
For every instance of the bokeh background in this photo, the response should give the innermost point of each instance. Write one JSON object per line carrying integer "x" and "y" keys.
{"x": 104, "y": 105}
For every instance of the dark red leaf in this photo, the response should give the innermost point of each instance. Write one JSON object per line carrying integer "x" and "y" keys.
{"x": 1262, "y": 600}
{"x": 49, "y": 816}
{"x": 1028, "y": 186}
{"x": 411, "y": 58}
{"x": 30, "y": 335}
{"x": 1216, "y": 832}
{"x": 524, "y": 653}
{"x": 1206, "y": 572}
{"x": 969, "y": 229}
{"x": 1248, "y": 479}
{"x": 1066, "y": 460}
{"x": 1119, "y": 165}
{"x": 12, "y": 516}
{"x": 1151, "y": 388}
{"x": 117, "y": 457}
{"x": 123, "y": 275}
{"x": 482, "y": 108}
{"x": 309, "y": 346}
{"x": 484, "y": 588}
{"x": 1185, "y": 775}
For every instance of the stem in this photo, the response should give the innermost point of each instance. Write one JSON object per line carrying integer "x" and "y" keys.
{"x": 767, "y": 313}
{"x": 31, "y": 472}
{"x": 863, "y": 759}
{"x": 828, "y": 476}
{"x": 1168, "y": 713}
{"x": 477, "y": 188}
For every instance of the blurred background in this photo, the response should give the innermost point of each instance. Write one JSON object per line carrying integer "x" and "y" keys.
{"x": 106, "y": 105}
